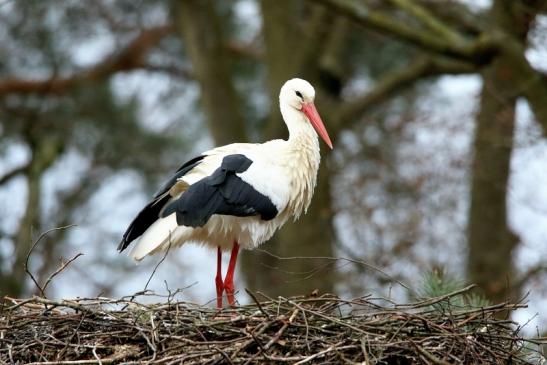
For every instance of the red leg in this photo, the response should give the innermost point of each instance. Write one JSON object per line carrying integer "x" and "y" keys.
{"x": 229, "y": 279}
{"x": 218, "y": 279}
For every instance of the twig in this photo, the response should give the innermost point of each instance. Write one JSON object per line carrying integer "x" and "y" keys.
{"x": 281, "y": 330}
{"x": 97, "y": 356}
{"x": 257, "y": 302}
{"x": 429, "y": 355}
{"x": 359, "y": 262}
{"x": 158, "y": 264}
{"x": 32, "y": 249}
{"x": 60, "y": 269}
{"x": 309, "y": 358}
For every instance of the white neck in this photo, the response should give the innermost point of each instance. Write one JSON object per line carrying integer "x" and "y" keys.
{"x": 303, "y": 158}
{"x": 301, "y": 132}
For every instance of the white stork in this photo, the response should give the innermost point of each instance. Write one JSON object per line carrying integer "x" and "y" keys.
{"x": 237, "y": 195}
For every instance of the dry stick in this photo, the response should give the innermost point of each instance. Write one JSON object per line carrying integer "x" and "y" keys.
{"x": 359, "y": 262}
{"x": 364, "y": 349}
{"x": 158, "y": 264}
{"x": 265, "y": 326}
{"x": 307, "y": 330}
{"x": 151, "y": 275}
{"x": 281, "y": 330}
{"x": 224, "y": 355}
{"x": 436, "y": 300}
{"x": 32, "y": 249}
{"x": 332, "y": 319}
{"x": 251, "y": 294}
{"x": 311, "y": 357}
{"x": 97, "y": 356}
{"x": 71, "y": 362}
{"x": 429, "y": 355}
{"x": 60, "y": 269}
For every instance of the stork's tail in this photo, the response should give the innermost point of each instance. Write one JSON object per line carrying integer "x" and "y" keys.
{"x": 160, "y": 235}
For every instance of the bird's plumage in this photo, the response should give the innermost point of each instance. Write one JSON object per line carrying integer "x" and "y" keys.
{"x": 223, "y": 192}
{"x": 272, "y": 172}
{"x": 238, "y": 194}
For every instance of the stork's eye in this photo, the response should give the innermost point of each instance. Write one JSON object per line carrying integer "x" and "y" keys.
{"x": 299, "y": 94}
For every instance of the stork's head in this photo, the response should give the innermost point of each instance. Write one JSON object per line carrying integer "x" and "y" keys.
{"x": 300, "y": 95}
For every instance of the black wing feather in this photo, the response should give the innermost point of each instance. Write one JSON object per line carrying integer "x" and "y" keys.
{"x": 151, "y": 212}
{"x": 221, "y": 193}
{"x": 183, "y": 170}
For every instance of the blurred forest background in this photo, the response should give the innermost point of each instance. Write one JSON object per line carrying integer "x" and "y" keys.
{"x": 437, "y": 110}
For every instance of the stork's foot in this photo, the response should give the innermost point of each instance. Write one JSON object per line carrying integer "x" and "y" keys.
{"x": 229, "y": 287}
{"x": 228, "y": 283}
{"x": 220, "y": 290}
{"x": 229, "y": 280}
{"x": 218, "y": 279}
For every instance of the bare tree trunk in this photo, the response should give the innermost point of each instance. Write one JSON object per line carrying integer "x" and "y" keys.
{"x": 491, "y": 242}
{"x": 279, "y": 30}
{"x": 313, "y": 234}
{"x": 200, "y": 27}
{"x": 45, "y": 152}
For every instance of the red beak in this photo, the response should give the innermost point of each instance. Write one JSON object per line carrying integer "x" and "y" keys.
{"x": 309, "y": 110}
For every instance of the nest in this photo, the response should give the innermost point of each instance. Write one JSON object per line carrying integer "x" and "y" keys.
{"x": 298, "y": 330}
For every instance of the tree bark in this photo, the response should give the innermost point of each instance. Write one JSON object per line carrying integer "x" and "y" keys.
{"x": 45, "y": 152}
{"x": 200, "y": 27}
{"x": 279, "y": 30}
{"x": 313, "y": 234}
{"x": 490, "y": 240}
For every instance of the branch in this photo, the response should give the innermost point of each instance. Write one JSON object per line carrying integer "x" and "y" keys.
{"x": 129, "y": 58}
{"x": 61, "y": 268}
{"x": 245, "y": 50}
{"x": 476, "y": 51}
{"x": 428, "y": 19}
{"x": 26, "y": 264}
{"x": 182, "y": 73}
{"x": 394, "y": 81}
{"x": 529, "y": 82}
{"x": 13, "y": 173}
{"x": 532, "y": 273}
{"x": 457, "y": 14}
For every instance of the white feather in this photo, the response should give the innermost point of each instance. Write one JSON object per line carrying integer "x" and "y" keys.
{"x": 156, "y": 235}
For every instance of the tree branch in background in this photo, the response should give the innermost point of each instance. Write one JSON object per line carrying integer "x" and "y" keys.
{"x": 532, "y": 83}
{"x": 457, "y": 14}
{"x": 387, "y": 24}
{"x": 531, "y": 274}
{"x": 394, "y": 81}
{"x": 129, "y": 58}
{"x": 13, "y": 173}
{"x": 428, "y": 19}
{"x": 246, "y": 50}
{"x": 476, "y": 50}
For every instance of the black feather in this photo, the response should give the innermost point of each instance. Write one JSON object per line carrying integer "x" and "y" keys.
{"x": 221, "y": 193}
{"x": 151, "y": 212}
{"x": 183, "y": 170}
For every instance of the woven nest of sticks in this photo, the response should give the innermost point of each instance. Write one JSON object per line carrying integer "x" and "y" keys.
{"x": 300, "y": 330}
